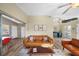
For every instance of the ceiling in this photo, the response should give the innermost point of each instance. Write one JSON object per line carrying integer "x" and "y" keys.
{"x": 47, "y": 9}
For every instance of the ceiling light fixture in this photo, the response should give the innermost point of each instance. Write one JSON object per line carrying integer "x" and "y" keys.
{"x": 74, "y": 5}
{"x": 70, "y": 5}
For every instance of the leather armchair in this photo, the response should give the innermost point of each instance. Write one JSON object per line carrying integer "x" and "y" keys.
{"x": 72, "y": 46}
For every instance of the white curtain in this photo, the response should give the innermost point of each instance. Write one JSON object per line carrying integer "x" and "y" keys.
{"x": 14, "y": 31}
{"x": 23, "y": 32}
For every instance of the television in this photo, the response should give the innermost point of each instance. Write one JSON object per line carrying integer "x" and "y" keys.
{"x": 57, "y": 34}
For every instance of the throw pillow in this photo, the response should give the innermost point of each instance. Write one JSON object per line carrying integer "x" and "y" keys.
{"x": 31, "y": 38}
{"x": 45, "y": 39}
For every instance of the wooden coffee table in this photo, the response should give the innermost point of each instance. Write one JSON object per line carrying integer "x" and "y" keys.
{"x": 40, "y": 50}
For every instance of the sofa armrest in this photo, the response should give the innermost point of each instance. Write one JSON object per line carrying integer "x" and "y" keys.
{"x": 50, "y": 40}
{"x": 65, "y": 42}
{"x": 25, "y": 40}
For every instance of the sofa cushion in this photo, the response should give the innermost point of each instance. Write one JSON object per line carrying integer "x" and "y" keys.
{"x": 75, "y": 42}
{"x": 38, "y": 38}
{"x": 74, "y": 50}
{"x": 71, "y": 47}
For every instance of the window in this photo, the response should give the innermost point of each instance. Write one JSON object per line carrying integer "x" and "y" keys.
{"x": 77, "y": 31}
{"x": 67, "y": 31}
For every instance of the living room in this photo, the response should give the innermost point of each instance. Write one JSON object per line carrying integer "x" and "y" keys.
{"x": 39, "y": 29}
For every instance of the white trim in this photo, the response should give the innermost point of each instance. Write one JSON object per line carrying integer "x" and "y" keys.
{"x": 14, "y": 20}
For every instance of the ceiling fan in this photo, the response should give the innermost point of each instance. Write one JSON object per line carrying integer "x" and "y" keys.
{"x": 71, "y": 5}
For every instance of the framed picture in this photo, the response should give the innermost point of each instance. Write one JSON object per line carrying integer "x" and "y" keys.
{"x": 35, "y": 27}
{"x": 44, "y": 28}
{"x": 40, "y": 27}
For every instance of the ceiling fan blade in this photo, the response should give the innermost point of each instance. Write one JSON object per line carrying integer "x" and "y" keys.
{"x": 67, "y": 9}
{"x": 64, "y": 5}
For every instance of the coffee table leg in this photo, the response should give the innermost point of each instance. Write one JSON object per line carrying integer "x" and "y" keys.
{"x": 30, "y": 54}
{"x": 51, "y": 54}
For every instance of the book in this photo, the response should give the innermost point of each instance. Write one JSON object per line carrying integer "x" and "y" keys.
{"x": 34, "y": 49}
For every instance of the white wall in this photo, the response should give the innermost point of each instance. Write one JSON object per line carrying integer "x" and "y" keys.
{"x": 13, "y": 10}
{"x": 46, "y": 20}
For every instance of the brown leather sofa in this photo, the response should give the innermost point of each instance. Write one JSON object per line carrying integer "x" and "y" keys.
{"x": 72, "y": 46}
{"x": 37, "y": 40}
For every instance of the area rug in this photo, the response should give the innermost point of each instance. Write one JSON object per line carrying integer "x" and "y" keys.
{"x": 24, "y": 52}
